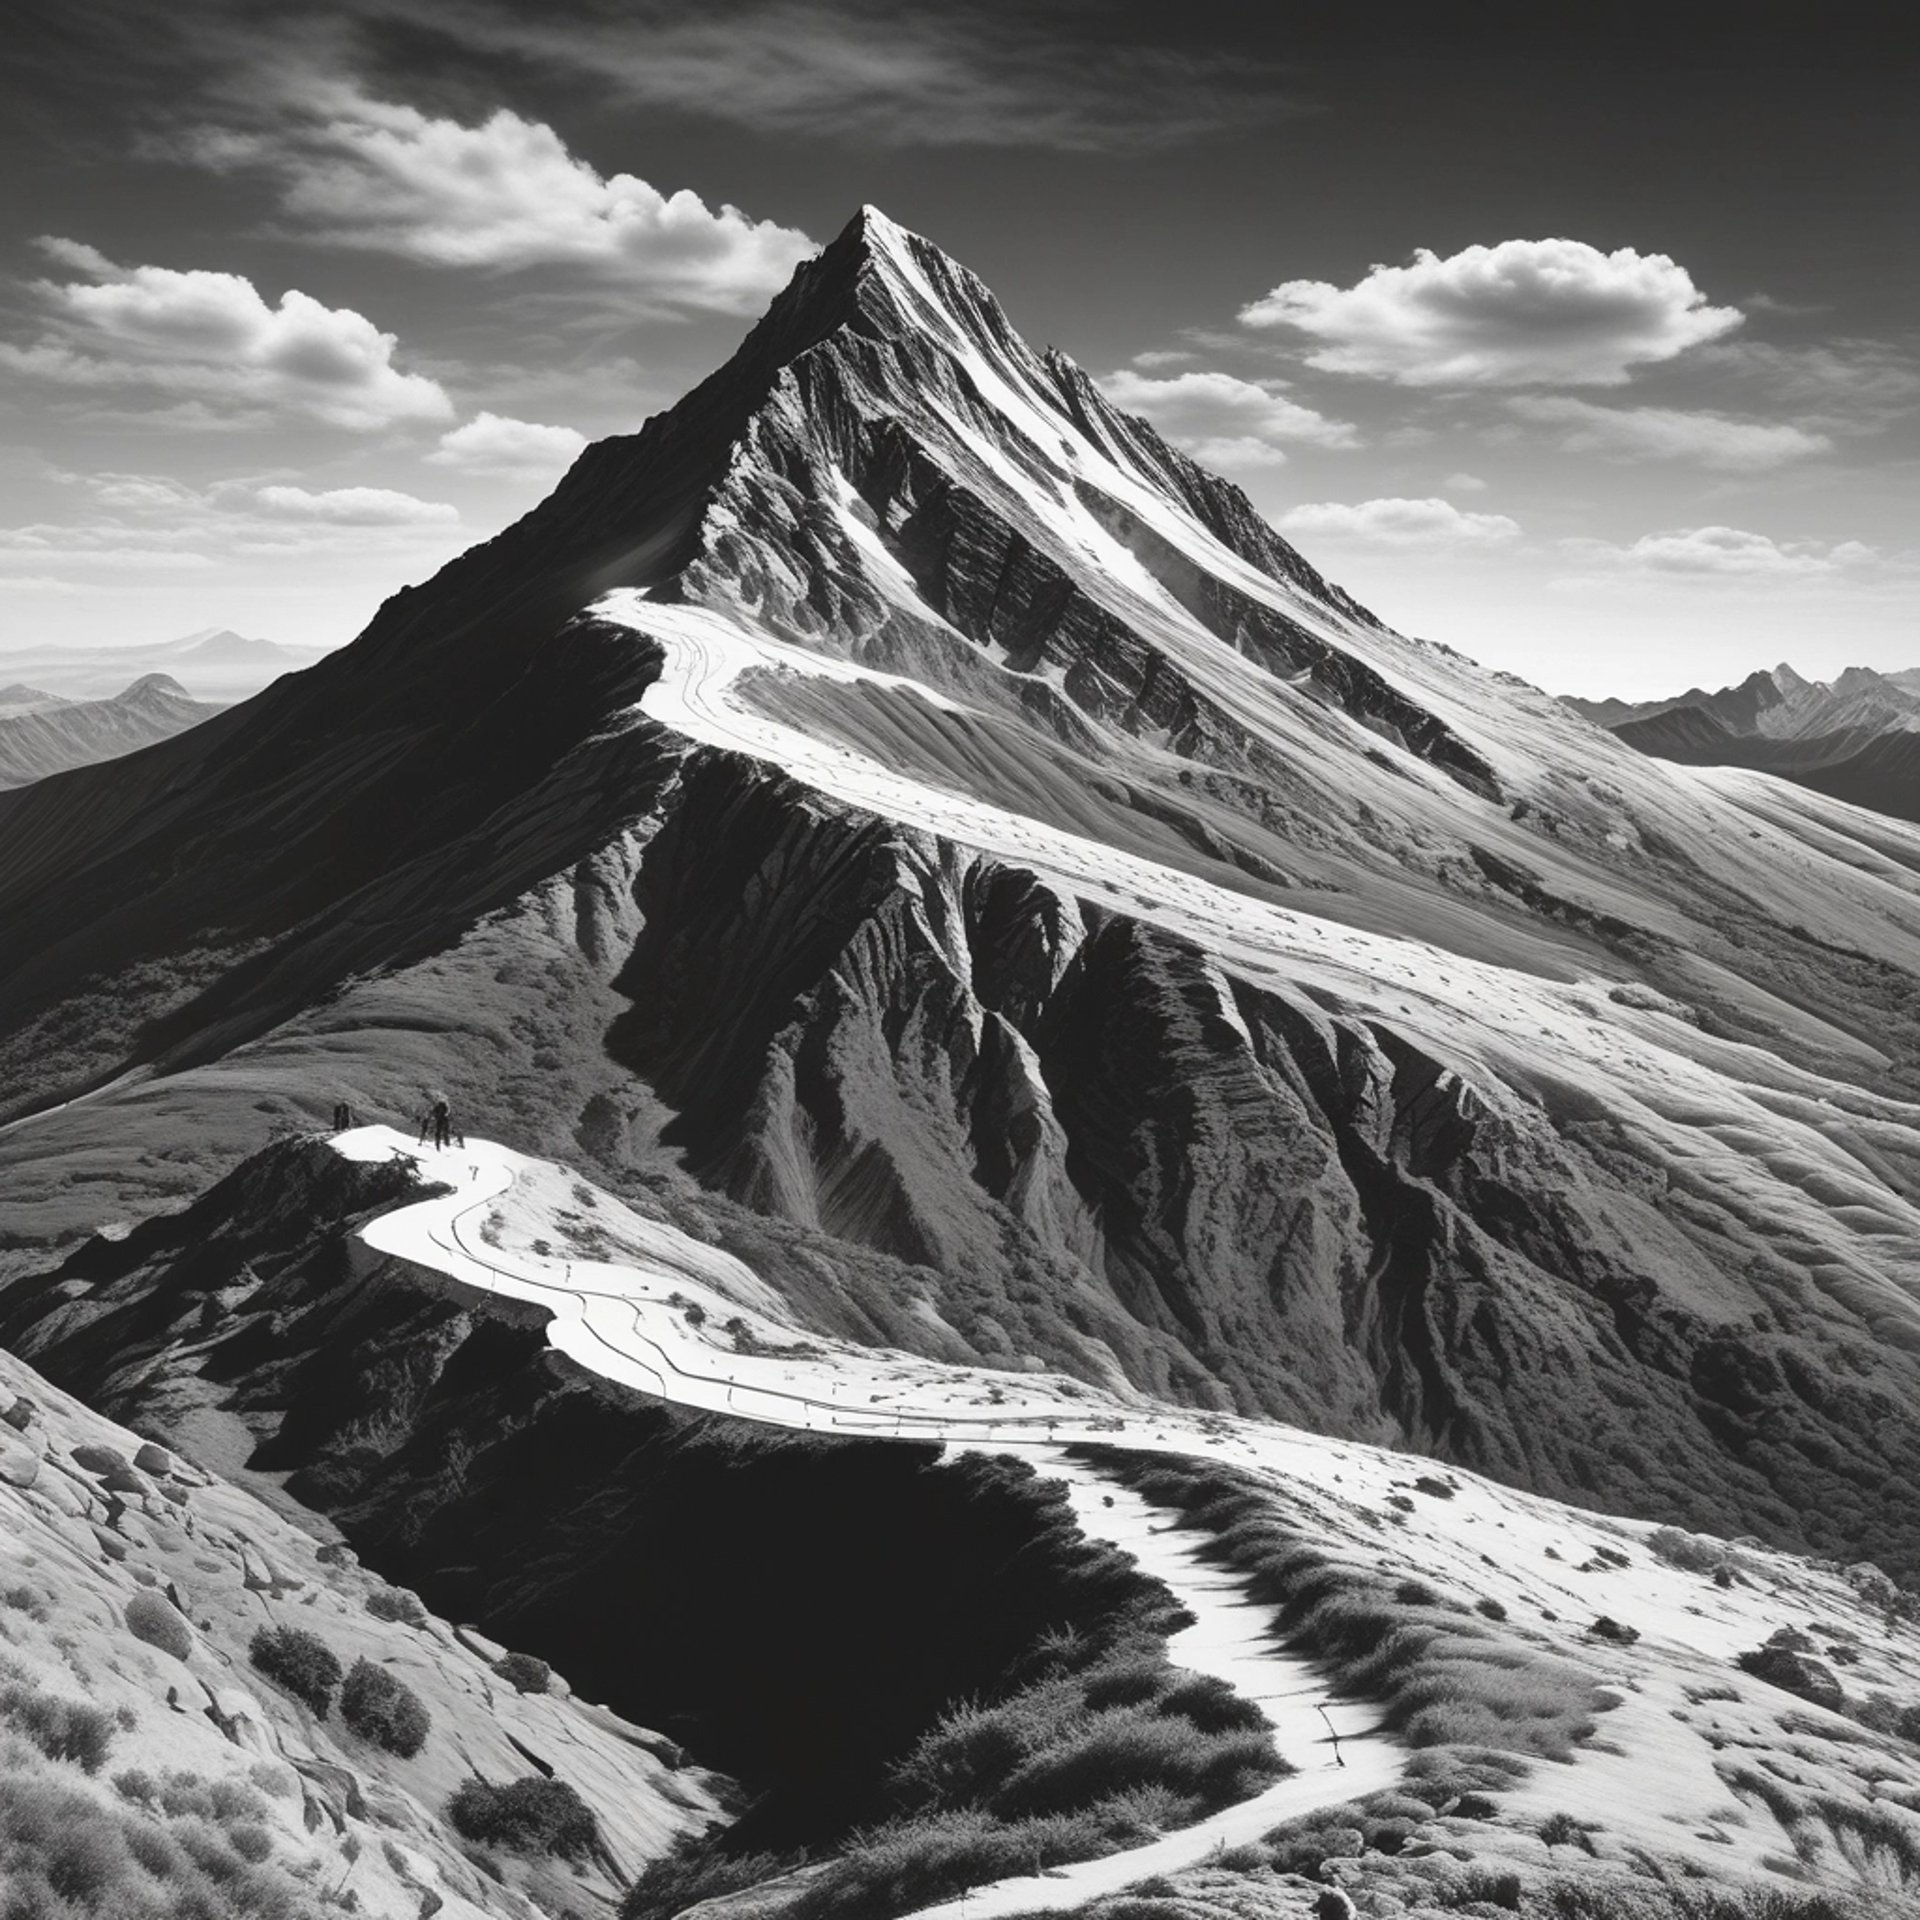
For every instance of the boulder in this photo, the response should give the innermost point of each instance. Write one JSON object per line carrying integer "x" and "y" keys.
{"x": 19, "y": 1463}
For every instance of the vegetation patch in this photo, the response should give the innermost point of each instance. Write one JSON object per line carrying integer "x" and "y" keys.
{"x": 68, "y": 1730}
{"x": 151, "y": 1618}
{"x": 1447, "y": 1678}
{"x": 524, "y": 1673}
{"x": 381, "y": 1707}
{"x": 300, "y": 1661}
{"x": 533, "y": 1816}
{"x": 65, "y": 1854}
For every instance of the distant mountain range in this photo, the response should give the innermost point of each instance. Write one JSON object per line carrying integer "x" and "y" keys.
{"x": 213, "y": 664}
{"x": 43, "y": 733}
{"x": 1856, "y": 737}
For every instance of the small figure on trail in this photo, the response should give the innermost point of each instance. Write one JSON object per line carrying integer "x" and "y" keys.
{"x": 438, "y": 1125}
{"x": 342, "y": 1116}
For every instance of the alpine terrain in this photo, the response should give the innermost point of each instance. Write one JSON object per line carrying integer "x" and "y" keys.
{"x": 1107, "y": 1237}
{"x": 1857, "y": 738}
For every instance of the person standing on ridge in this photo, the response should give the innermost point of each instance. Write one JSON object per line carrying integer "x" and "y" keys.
{"x": 438, "y": 1124}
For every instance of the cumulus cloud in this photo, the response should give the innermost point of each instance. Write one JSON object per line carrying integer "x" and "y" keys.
{"x": 1399, "y": 523}
{"x": 1464, "y": 483}
{"x": 503, "y": 195}
{"x": 1663, "y": 433}
{"x": 1523, "y": 313}
{"x": 500, "y": 448}
{"x": 212, "y": 336}
{"x": 1224, "y": 421}
{"x": 355, "y": 507}
{"x": 1720, "y": 551}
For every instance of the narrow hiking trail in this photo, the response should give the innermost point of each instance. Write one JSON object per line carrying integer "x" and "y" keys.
{"x": 672, "y": 1316}
{"x": 1232, "y": 1638}
{"x": 629, "y": 1322}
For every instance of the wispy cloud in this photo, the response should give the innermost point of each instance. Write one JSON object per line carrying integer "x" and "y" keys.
{"x": 1664, "y": 433}
{"x": 215, "y": 341}
{"x": 1399, "y": 523}
{"x": 1225, "y": 421}
{"x": 504, "y": 194}
{"x": 1719, "y": 552}
{"x": 1523, "y": 313}
{"x": 874, "y": 74}
{"x": 151, "y": 524}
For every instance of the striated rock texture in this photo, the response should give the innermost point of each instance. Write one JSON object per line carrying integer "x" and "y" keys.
{"x": 1420, "y": 1064}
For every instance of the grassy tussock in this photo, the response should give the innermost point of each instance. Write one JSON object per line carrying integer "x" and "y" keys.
{"x": 68, "y": 1855}
{"x": 1447, "y": 1678}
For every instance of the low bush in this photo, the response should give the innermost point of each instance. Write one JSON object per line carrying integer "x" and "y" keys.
{"x": 381, "y": 1707}
{"x": 62, "y": 1729}
{"x": 1608, "y": 1628}
{"x": 690, "y": 1873}
{"x": 1489, "y": 1609}
{"x": 1448, "y": 1682}
{"x": 300, "y": 1661}
{"x": 915, "y": 1862}
{"x": 535, "y": 1815}
{"x": 65, "y": 1855}
{"x": 523, "y": 1673}
{"x": 1797, "y": 1673}
{"x": 158, "y": 1623}
{"x": 396, "y": 1604}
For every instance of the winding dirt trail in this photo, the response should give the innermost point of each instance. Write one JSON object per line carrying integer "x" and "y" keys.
{"x": 629, "y": 1322}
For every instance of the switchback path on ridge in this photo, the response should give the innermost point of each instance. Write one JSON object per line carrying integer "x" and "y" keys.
{"x": 630, "y": 1323}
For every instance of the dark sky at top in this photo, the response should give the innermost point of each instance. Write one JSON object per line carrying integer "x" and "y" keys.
{"x": 298, "y": 303}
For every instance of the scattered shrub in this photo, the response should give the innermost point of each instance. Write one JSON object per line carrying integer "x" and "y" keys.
{"x": 1415, "y": 1593}
{"x": 690, "y": 1873}
{"x": 396, "y": 1604}
{"x": 61, "y": 1729}
{"x": 158, "y": 1623}
{"x": 534, "y": 1815}
{"x": 1608, "y": 1628}
{"x": 381, "y": 1707}
{"x": 1798, "y": 1673}
{"x": 1563, "y": 1830}
{"x": 301, "y": 1662}
{"x": 524, "y": 1673}
{"x": 1489, "y": 1609}
{"x": 1433, "y": 1488}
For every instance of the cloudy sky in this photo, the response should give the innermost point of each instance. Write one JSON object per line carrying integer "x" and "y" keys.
{"x": 1591, "y": 349}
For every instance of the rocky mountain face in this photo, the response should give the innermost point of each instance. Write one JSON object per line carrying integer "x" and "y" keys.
{"x": 933, "y": 837}
{"x": 1856, "y": 738}
{"x": 44, "y": 735}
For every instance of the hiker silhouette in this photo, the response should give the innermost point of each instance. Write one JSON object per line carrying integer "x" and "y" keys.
{"x": 438, "y": 1125}
{"x": 342, "y": 1116}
